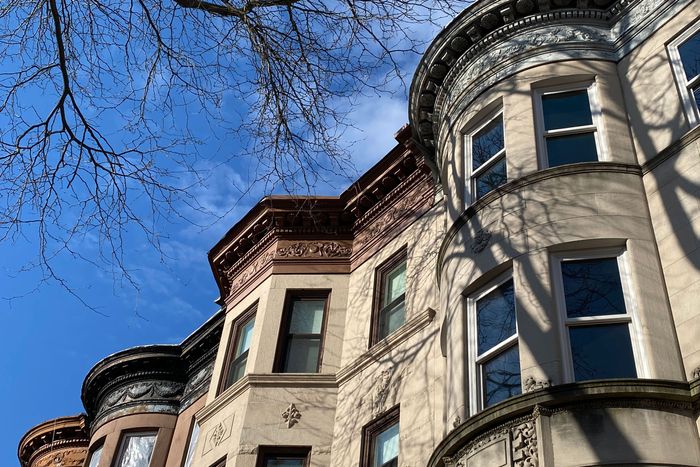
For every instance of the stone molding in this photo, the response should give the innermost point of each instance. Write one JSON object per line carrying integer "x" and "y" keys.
{"x": 64, "y": 438}
{"x": 498, "y": 421}
{"x": 493, "y": 39}
{"x": 514, "y": 187}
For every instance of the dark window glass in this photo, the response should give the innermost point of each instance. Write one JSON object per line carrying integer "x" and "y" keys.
{"x": 696, "y": 96}
{"x": 566, "y": 110}
{"x": 571, "y": 149}
{"x": 592, "y": 287}
{"x": 602, "y": 351}
{"x": 390, "y": 304}
{"x": 495, "y": 317}
{"x": 279, "y": 456}
{"x": 491, "y": 178}
{"x": 487, "y": 142}
{"x": 690, "y": 56}
{"x": 501, "y": 377}
{"x": 302, "y": 346}
{"x": 285, "y": 461}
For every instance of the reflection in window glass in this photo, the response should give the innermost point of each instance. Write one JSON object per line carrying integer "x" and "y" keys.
{"x": 239, "y": 359}
{"x": 498, "y": 360}
{"x": 495, "y": 316}
{"x": 566, "y": 110}
{"x": 571, "y": 149}
{"x": 304, "y": 332}
{"x": 193, "y": 444}
{"x": 501, "y": 377}
{"x": 592, "y": 287}
{"x": 690, "y": 56}
{"x": 487, "y": 142}
{"x": 491, "y": 178}
{"x": 95, "y": 457}
{"x": 392, "y": 312}
{"x": 602, "y": 351}
{"x": 137, "y": 450}
{"x": 386, "y": 448}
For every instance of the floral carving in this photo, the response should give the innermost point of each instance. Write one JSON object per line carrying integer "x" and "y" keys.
{"x": 314, "y": 249}
{"x": 144, "y": 390}
{"x": 291, "y": 415}
{"x": 217, "y": 434}
{"x": 381, "y": 391}
{"x": 66, "y": 458}
{"x": 481, "y": 241}
{"x": 238, "y": 280}
{"x": 457, "y": 421}
{"x": 524, "y": 445}
{"x": 696, "y": 373}
{"x": 531, "y": 384}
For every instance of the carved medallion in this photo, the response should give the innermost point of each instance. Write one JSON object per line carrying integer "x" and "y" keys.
{"x": 291, "y": 415}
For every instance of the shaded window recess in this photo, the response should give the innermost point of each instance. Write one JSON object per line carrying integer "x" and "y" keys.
{"x": 300, "y": 347}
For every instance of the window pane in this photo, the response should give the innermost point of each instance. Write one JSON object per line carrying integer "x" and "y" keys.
{"x": 192, "y": 445}
{"x": 495, "y": 317}
{"x": 696, "y": 96}
{"x": 307, "y": 317}
{"x": 237, "y": 369}
{"x": 95, "y": 457}
{"x": 491, "y": 178}
{"x": 246, "y": 335}
{"x": 592, "y": 287}
{"x": 571, "y": 149}
{"x": 566, "y": 110}
{"x": 501, "y": 377}
{"x": 285, "y": 461}
{"x": 391, "y": 319}
{"x": 302, "y": 354}
{"x": 690, "y": 56}
{"x": 602, "y": 351}
{"x": 395, "y": 284}
{"x": 137, "y": 450}
{"x": 487, "y": 142}
{"x": 386, "y": 446}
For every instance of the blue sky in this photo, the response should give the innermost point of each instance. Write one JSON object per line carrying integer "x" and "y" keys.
{"x": 50, "y": 340}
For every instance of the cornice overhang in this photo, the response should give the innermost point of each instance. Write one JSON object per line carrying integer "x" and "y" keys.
{"x": 153, "y": 378}
{"x": 292, "y": 234}
{"x": 489, "y": 24}
{"x": 54, "y": 435}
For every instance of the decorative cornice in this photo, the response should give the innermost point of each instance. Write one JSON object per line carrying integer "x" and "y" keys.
{"x": 484, "y": 42}
{"x": 64, "y": 436}
{"x": 500, "y": 419}
{"x": 516, "y": 186}
{"x": 156, "y": 378}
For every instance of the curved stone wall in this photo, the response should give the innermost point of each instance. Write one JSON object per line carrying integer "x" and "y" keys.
{"x": 58, "y": 442}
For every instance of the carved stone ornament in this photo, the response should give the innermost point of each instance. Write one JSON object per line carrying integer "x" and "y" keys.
{"x": 238, "y": 280}
{"x": 314, "y": 249}
{"x": 217, "y": 435}
{"x": 481, "y": 241}
{"x": 696, "y": 374}
{"x": 142, "y": 391}
{"x": 457, "y": 421}
{"x": 381, "y": 392}
{"x": 63, "y": 458}
{"x": 520, "y": 436}
{"x": 291, "y": 416}
{"x": 531, "y": 384}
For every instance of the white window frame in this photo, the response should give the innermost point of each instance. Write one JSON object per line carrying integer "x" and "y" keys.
{"x": 471, "y": 174}
{"x": 629, "y": 318}
{"x": 596, "y": 127}
{"x": 685, "y": 87}
{"x": 476, "y": 398}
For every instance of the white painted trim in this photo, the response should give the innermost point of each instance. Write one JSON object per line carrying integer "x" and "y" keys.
{"x": 475, "y": 360}
{"x": 596, "y": 118}
{"x": 685, "y": 88}
{"x": 469, "y": 173}
{"x": 630, "y": 305}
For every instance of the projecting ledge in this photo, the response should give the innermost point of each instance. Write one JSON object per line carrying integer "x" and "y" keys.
{"x": 591, "y": 423}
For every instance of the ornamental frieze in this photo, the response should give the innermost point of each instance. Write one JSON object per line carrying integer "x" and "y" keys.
{"x": 315, "y": 250}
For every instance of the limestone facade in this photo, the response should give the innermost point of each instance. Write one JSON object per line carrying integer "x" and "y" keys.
{"x": 225, "y": 396}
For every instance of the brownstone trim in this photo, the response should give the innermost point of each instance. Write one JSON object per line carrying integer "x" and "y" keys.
{"x": 283, "y": 337}
{"x": 99, "y": 444}
{"x": 379, "y": 279}
{"x": 370, "y": 432}
{"x": 298, "y": 452}
{"x": 234, "y": 336}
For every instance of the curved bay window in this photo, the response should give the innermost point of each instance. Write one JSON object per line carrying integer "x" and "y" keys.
{"x": 493, "y": 345}
{"x": 239, "y": 346}
{"x": 486, "y": 161}
{"x": 136, "y": 449}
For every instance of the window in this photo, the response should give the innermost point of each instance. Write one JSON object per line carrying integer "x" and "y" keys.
{"x": 598, "y": 324}
{"x": 192, "y": 444}
{"x": 220, "y": 463}
{"x": 96, "y": 455}
{"x": 389, "y": 297}
{"x": 239, "y": 345}
{"x": 136, "y": 449}
{"x": 283, "y": 456}
{"x": 380, "y": 441}
{"x": 486, "y": 161}
{"x": 685, "y": 60}
{"x": 301, "y": 337}
{"x": 569, "y": 122}
{"x": 493, "y": 345}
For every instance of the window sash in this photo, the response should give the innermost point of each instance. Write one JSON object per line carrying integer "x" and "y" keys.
{"x": 370, "y": 435}
{"x": 472, "y": 173}
{"x": 380, "y": 309}
{"x": 287, "y": 339}
{"x": 124, "y": 449}
{"x": 235, "y": 354}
